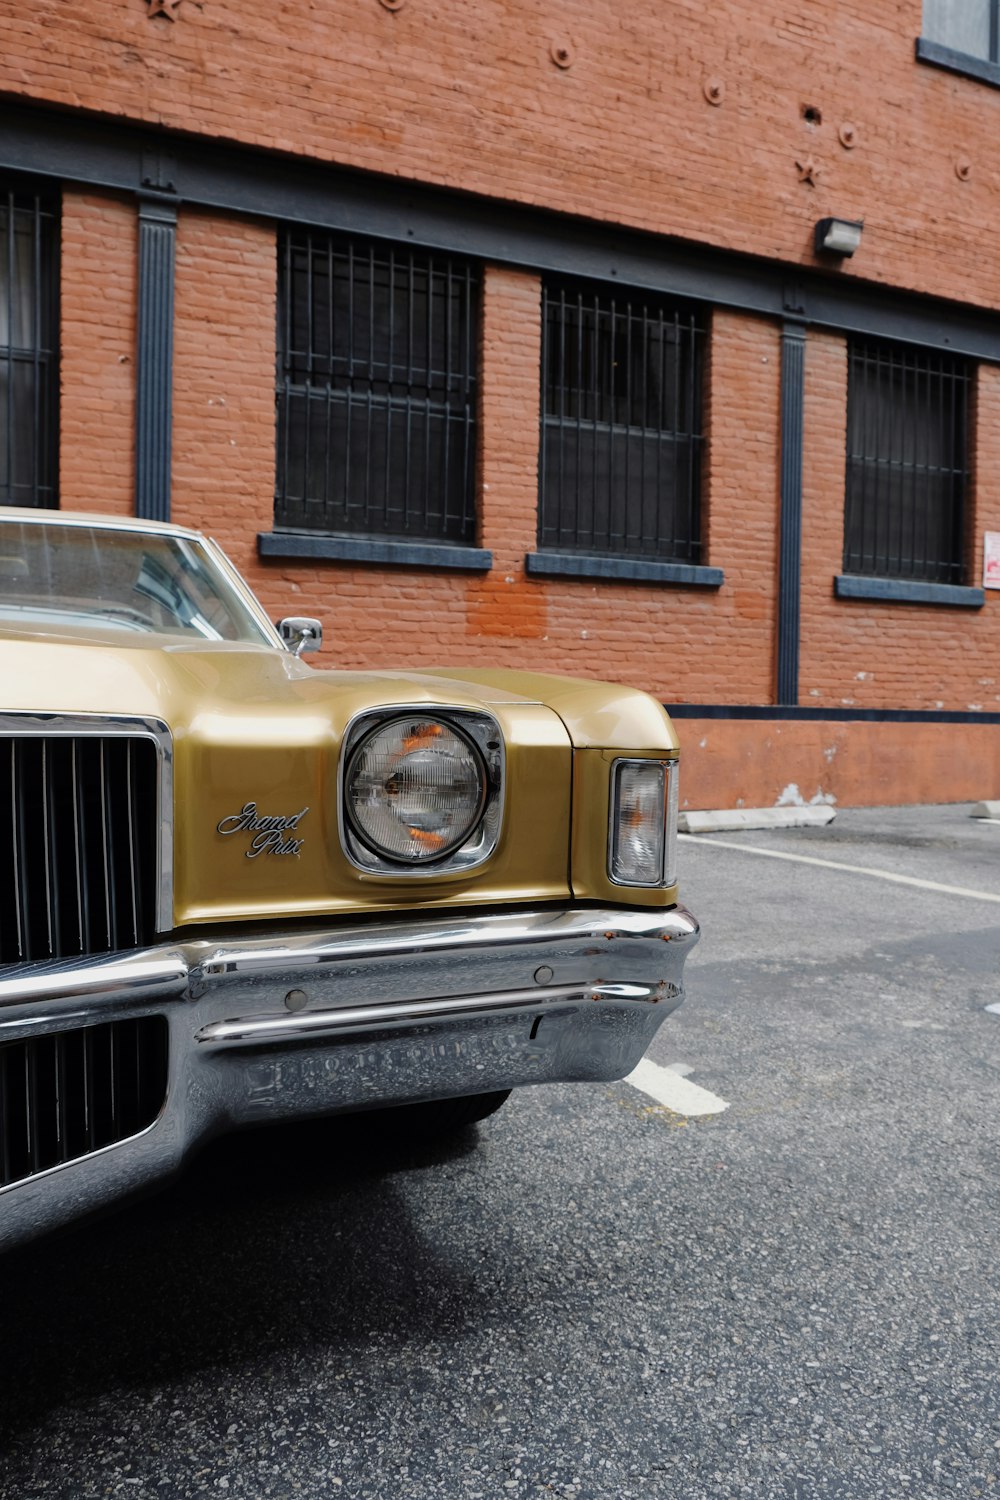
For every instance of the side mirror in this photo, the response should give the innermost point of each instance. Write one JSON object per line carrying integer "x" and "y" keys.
{"x": 301, "y": 634}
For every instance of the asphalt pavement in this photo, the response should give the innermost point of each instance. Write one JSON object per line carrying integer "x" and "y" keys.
{"x": 590, "y": 1295}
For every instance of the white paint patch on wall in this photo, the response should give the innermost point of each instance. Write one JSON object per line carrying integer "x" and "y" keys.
{"x": 792, "y": 797}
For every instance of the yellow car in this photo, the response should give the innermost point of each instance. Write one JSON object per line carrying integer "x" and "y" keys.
{"x": 238, "y": 889}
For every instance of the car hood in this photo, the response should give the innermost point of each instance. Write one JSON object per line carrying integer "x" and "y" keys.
{"x": 182, "y": 681}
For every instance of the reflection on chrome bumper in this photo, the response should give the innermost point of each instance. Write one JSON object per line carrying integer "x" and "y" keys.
{"x": 289, "y": 1025}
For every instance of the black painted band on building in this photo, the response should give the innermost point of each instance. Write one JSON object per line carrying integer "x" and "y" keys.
{"x": 794, "y": 713}
{"x": 248, "y": 180}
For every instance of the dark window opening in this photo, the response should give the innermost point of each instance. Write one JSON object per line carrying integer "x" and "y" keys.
{"x": 621, "y": 433}
{"x": 377, "y": 366}
{"x": 971, "y": 27}
{"x": 907, "y": 463}
{"x": 28, "y": 361}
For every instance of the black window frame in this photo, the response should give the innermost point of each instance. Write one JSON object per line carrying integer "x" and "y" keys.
{"x": 623, "y": 380}
{"x": 29, "y": 395}
{"x": 972, "y": 65}
{"x": 908, "y": 463}
{"x": 365, "y": 403}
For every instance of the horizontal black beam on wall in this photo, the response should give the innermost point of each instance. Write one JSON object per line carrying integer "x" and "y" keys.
{"x": 75, "y": 147}
{"x": 443, "y": 558}
{"x": 627, "y": 569}
{"x": 772, "y": 712}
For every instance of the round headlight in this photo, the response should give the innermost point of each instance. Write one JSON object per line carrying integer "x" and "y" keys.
{"x": 415, "y": 789}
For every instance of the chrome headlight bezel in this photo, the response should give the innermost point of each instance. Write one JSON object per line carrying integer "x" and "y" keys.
{"x": 662, "y": 870}
{"x": 485, "y": 738}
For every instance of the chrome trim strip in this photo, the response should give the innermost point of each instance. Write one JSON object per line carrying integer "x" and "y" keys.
{"x": 23, "y": 516}
{"x": 440, "y": 934}
{"x": 15, "y": 722}
{"x": 329, "y": 1023}
{"x": 134, "y": 976}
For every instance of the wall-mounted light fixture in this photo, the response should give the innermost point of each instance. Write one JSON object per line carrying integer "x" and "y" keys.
{"x": 838, "y": 236}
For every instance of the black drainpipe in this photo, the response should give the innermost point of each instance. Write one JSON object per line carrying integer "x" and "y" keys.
{"x": 155, "y": 338}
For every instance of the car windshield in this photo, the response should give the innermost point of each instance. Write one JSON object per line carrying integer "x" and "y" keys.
{"x": 56, "y": 575}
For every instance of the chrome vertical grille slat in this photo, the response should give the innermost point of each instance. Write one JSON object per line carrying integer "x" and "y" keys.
{"x": 80, "y": 844}
{"x": 48, "y": 835}
{"x": 105, "y": 846}
{"x": 15, "y": 863}
{"x": 133, "y": 870}
{"x": 69, "y": 1093}
{"x": 79, "y": 864}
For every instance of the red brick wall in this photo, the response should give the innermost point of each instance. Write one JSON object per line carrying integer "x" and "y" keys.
{"x": 766, "y": 762}
{"x": 507, "y": 616}
{"x": 97, "y": 363}
{"x": 676, "y": 642}
{"x": 468, "y": 95}
{"x": 732, "y": 651}
{"x": 224, "y": 343}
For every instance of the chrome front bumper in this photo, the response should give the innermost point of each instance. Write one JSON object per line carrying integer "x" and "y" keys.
{"x": 285, "y": 1026}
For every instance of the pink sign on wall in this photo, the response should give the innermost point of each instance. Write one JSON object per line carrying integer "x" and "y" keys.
{"x": 991, "y": 559}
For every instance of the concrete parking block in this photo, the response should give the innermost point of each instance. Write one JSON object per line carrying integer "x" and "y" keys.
{"x": 729, "y": 820}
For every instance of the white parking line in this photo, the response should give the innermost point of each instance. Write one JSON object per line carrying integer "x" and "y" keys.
{"x": 677, "y": 1093}
{"x": 835, "y": 864}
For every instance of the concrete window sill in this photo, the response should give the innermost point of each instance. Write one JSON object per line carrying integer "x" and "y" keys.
{"x": 593, "y": 565}
{"x": 940, "y": 56}
{"x": 899, "y": 591}
{"x": 436, "y": 556}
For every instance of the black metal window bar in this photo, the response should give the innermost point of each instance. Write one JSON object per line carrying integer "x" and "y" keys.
{"x": 907, "y": 463}
{"x": 377, "y": 375}
{"x": 621, "y": 434}
{"x": 968, "y": 26}
{"x": 28, "y": 363}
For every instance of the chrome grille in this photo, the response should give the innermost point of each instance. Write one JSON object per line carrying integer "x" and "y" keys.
{"x": 67, "y": 1094}
{"x": 78, "y": 844}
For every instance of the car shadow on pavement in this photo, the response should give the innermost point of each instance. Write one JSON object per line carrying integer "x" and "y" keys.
{"x": 280, "y": 1235}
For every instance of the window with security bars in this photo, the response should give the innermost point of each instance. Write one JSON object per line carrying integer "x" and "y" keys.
{"x": 377, "y": 376}
{"x": 28, "y": 359}
{"x": 907, "y": 463}
{"x": 969, "y": 26}
{"x": 621, "y": 432}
